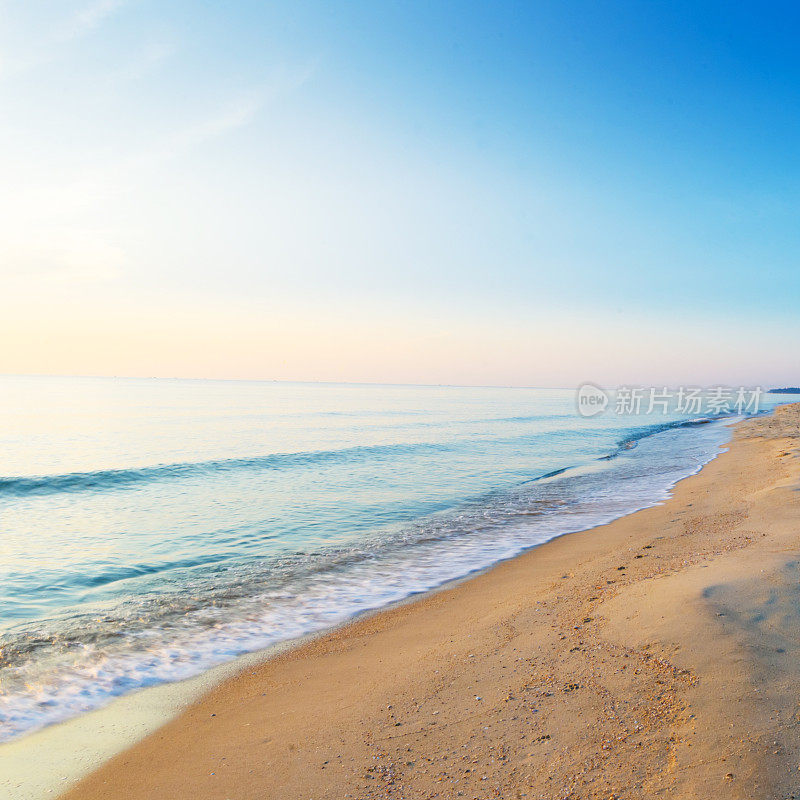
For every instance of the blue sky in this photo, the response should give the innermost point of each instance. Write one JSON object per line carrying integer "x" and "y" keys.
{"x": 514, "y": 193}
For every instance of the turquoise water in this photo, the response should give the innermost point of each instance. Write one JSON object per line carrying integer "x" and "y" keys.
{"x": 150, "y": 529}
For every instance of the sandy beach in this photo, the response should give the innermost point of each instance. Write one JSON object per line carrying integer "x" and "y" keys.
{"x": 655, "y": 656}
{"x": 398, "y": 401}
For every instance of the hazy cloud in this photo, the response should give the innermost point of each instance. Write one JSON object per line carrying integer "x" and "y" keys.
{"x": 26, "y": 49}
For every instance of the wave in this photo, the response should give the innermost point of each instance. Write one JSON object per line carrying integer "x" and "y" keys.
{"x": 638, "y": 434}
{"x": 101, "y": 480}
{"x": 109, "y": 479}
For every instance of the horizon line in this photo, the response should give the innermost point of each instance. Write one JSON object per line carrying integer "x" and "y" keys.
{"x": 280, "y": 380}
{"x": 773, "y": 389}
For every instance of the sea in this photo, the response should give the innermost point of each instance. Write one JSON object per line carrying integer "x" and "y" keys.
{"x": 153, "y": 529}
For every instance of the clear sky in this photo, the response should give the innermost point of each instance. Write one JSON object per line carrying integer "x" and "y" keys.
{"x": 531, "y": 193}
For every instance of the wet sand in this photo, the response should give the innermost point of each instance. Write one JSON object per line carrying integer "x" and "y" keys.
{"x": 658, "y": 656}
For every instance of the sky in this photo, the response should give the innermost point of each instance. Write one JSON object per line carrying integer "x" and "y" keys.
{"x": 504, "y": 193}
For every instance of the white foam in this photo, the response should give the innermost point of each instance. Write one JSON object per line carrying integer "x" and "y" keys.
{"x": 391, "y": 571}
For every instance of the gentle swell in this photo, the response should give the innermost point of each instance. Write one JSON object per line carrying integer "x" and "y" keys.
{"x": 125, "y": 478}
{"x": 101, "y": 480}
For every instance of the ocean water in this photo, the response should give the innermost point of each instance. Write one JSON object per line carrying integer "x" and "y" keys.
{"x": 150, "y": 529}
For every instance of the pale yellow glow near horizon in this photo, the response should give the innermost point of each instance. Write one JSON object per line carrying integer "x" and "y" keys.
{"x": 217, "y": 340}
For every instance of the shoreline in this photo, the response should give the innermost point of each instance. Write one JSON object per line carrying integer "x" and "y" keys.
{"x": 397, "y": 560}
{"x": 358, "y": 643}
{"x": 121, "y": 722}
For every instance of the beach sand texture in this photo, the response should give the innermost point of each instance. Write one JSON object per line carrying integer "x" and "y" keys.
{"x": 658, "y": 656}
